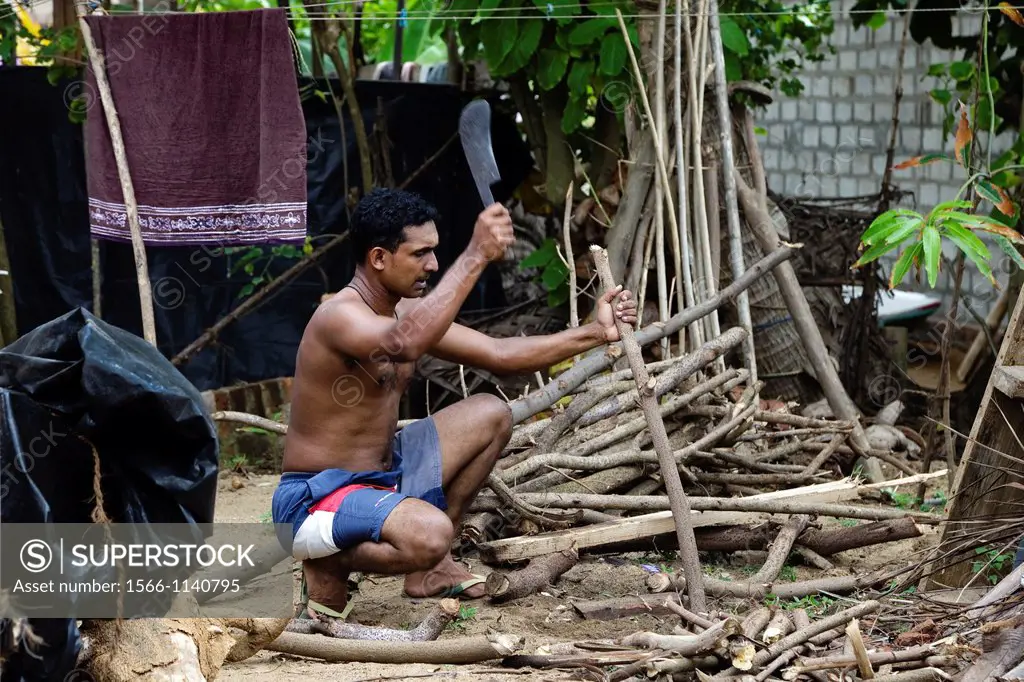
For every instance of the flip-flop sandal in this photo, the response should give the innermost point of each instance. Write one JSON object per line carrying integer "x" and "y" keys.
{"x": 306, "y": 603}
{"x": 456, "y": 590}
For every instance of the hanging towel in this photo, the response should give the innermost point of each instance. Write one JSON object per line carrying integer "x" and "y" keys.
{"x": 212, "y": 124}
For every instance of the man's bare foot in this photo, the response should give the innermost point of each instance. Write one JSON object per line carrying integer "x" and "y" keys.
{"x": 444, "y": 576}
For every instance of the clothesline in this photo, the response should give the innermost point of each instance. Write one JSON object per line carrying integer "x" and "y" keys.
{"x": 502, "y": 13}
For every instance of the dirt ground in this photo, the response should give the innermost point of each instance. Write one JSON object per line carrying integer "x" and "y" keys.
{"x": 542, "y": 619}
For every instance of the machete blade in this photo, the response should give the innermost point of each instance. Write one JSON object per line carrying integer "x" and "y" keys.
{"x": 475, "y": 131}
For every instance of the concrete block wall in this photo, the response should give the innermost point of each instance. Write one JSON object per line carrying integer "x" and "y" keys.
{"x": 831, "y": 141}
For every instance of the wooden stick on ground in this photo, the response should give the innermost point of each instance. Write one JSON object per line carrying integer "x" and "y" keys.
{"x": 131, "y": 208}
{"x": 460, "y": 650}
{"x": 429, "y": 629}
{"x": 669, "y": 469}
{"x": 540, "y": 573}
{"x": 815, "y": 628}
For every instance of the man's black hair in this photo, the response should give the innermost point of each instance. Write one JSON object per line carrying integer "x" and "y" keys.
{"x": 383, "y": 214}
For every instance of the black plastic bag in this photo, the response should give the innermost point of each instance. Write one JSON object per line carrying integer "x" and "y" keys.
{"x": 77, "y": 383}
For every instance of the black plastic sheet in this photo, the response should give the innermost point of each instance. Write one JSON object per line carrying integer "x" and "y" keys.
{"x": 78, "y": 383}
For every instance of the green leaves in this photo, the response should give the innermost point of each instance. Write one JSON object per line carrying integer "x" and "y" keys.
{"x": 524, "y": 47}
{"x": 613, "y": 56}
{"x": 1009, "y": 250}
{"x": 559, "y": 8}
{"x": 590, "y": 30}
{"x": 733, "y": 38}
{"x": 498, "y": 37}
{"x": 932, "y": 252}
{"x": 551, "y": 64}
{"x": 579, "y": 75}
{"x": 961, "y": 71}
{"x": 554, "y": 273}
{"x": 907, "y": 259}
{"x": 575, "y": 111}
{"x": 887, "y": 232}
{"x": 876, "y": 21}
{"x": 921, "y": 239}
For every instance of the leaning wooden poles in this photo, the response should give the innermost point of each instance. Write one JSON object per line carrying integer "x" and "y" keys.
{"x": 732, "y": 211}
{"x": 678, "y": 501}
{"x": 131, "y": 208}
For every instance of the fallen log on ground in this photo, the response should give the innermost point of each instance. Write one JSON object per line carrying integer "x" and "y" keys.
{"x": 540, "y": 573}
{"x": 461, "y": 650}
{"x": 739, "y": 538}
{"x": 842, "y": 584}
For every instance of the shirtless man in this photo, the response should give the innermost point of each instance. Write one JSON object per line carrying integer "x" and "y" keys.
{"x": 358, "y": 495}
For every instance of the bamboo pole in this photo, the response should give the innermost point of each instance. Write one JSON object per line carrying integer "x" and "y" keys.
{"x": 656, "y": 135}
{"x": 732, "y": 210}
{"x": 131, "y": 208}
{"x": 660, "y": 189}
{"x": 681, "y": 170}
{"x": 696, "y": 74}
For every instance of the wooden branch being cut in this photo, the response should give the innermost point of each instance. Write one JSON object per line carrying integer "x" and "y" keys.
{"x": 541, "y": 572}
{"x": 678, "y": 500}
{"x": 596, "y": 361}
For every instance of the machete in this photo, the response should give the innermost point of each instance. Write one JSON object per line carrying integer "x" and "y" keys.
{"x": 475, "y": 131}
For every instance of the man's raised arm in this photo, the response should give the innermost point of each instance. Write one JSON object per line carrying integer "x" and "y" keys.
{"x": 427, "y": 319}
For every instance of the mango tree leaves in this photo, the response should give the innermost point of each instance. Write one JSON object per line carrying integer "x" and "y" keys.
{"x": 899, "y": 271}
{"x": 961, "y": 146}
{"x": 1012, "y": 12}
{"x": 998, "y": 197}
{"x": 1008, "y": 248}
{"x": 923, "y": 160}
{"x": 932, "y": 253}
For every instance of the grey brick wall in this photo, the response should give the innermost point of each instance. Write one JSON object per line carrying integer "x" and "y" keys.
{"x": 832, "y": 140}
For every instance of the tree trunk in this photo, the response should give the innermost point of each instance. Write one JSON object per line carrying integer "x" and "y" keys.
{"x": 559, "y": 165}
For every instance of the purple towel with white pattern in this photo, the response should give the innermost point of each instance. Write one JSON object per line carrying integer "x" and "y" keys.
{"x": 212, "y": 125}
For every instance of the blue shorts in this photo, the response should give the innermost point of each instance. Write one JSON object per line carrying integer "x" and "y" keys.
{"x": 333, "y": 510}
